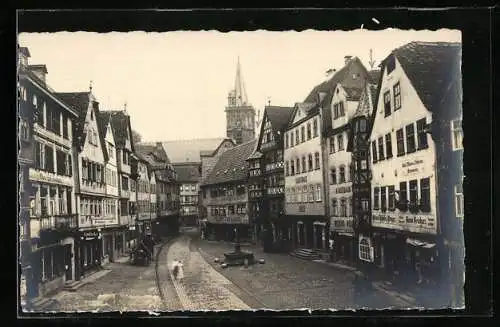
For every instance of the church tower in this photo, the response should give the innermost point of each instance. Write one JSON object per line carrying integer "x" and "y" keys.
{"x": 240, "y": 115}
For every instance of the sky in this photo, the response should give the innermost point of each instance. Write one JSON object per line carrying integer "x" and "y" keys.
{"x": 175, "y": 84}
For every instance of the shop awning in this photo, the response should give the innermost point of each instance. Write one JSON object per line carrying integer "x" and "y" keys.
{"x": 422, "y": 244}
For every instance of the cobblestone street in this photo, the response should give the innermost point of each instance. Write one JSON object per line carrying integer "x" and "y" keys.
{"x": 285, "y": 282}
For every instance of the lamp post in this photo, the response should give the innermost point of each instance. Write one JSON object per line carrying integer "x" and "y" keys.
{"x": 237, "y": 246}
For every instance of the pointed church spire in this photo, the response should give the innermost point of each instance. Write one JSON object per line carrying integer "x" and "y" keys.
{"x": 239, "y": 87}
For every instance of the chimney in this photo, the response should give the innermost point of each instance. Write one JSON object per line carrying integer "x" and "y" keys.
{"x": 39, "y": 70}
{"x": 23, "y": 55}
{"x": 347, "y": 59}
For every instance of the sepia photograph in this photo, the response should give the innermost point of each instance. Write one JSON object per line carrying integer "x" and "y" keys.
{"x": 258, "y": 170}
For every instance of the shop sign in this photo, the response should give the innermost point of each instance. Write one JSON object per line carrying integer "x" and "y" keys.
{"x": 411, "y": 167}
{"x": 231, "y": 220}
{"x": 343, "y": 189}
{"x": 43, "y": 176}
{"x": 90, "y": 235}
{"x": 302, "y": 208}
{"x": 412, "y": 223}
{"x": 344, "y": 224}
{"x": 131, "y": 227}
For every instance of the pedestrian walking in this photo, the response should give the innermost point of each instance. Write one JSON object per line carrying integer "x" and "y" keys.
{"x": 175, "y": 268}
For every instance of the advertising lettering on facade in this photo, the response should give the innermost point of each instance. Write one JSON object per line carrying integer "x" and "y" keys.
{"x": 91, "y": 235}
{"x": 40, "y": 176}
{"x": 343, "y": 189}
{"x": 342, "y": 224}
{"x": 301, "y": 180}
{"x": 412, "y": 223}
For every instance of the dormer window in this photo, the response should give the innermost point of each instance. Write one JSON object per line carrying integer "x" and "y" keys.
{"x": 391, "y": 64}
{"x": 35, "y": 101}
{"x": 91, "y": 114}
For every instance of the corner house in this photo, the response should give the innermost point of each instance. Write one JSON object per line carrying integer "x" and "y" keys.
{"x": 225, "y": 195}
{"x": 405, "y": 212}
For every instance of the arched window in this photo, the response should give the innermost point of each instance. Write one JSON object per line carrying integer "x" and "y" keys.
{"x": 316, "y": 160}
{"x": 292, "y": 168}
{"x": 311, "y": 162}
{"x": 298, "y": 165}
{"x": 333, "y": 176}
{"x": 304, "y": 168}
{"x": 291, "y": 139}
{"x": 302, "y": 134}
{"x": 343, "y": 208}
{"x": 365, "y": 252}
{"x": 342, "y": 174}
{"x": 335, "y": 209}
{"x": 308, "y": 131}
{"x": 315, "y": 128}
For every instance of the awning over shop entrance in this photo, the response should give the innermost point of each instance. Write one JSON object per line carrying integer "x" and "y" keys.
{"x": 418, "y": 243}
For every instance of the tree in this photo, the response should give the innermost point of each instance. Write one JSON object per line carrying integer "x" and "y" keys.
{"x": 136, "y": 137}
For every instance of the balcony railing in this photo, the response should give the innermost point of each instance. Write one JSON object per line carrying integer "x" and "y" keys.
{"x": 59, "y": 222}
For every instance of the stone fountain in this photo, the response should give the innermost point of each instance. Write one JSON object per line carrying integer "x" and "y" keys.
{"x": 238, "y": 257}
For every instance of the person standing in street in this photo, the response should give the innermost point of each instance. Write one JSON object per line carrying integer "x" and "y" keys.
{"x": 175, "y": 268}
{"x": 180, "y": 273}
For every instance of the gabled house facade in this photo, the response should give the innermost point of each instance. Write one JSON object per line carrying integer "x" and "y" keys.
{"x": 91, "y": 156}
{"x": 419, "y": 97}
{"x": 267, "y": 181}
{"x": 114, "y": 233}
{"x": 47, "y": 186}
{"x": 225, "y": 195}
{"x": 166, "y": 178}
{"x": 304, "y": 188}
{"x": 189, "y": 182}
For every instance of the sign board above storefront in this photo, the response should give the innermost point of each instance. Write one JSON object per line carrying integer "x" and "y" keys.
{"x": 341, "y": 224}
{"x": 413, "y": 223}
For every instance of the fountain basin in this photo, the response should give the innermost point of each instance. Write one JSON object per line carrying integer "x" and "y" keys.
{"x": 238, "y": 258}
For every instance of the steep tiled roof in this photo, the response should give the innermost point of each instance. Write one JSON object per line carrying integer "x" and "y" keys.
{"x": 232, "y": 165}
{"x": 429, "y": 67}
{"x": 374, "y": 75}
{"x": 79, "y": 101}
{"x": 368, "y": 96}
{"x": 103, "y": 120}
{"x": 188, "y": 173}
{"x": 25, "y": 51}
{"x": 189, "y": 150}
{"x": 120, "y": 122}
{"x": 279, "y": 116}
{"x": 353, "y": 93}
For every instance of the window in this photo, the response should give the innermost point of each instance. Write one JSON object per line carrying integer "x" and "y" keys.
{"x": 410, "y": 138}
{"x": 334, "y": 208}
{"x": 383, "y": 199}
{"x": 49, "y": 159}
{"x": 340, "y": 141}
{"x": 459, "y": 200}
{"x": 65, "y": 128}
{"x": 318, "y": 192}
{"x": 341, "y": 109}
{"x": 35, "y": 101}
{"x": 388, "y": 145}
{"x": 302, "y": 134}
{"x": 291, "y": 139}
{"x": 376, "y": 198}
{"x": 425, "y": 195}
{"x": 310, "y": 194}
{"x": 315, "y": 128}
{"x": 56, "y": 122}
{"x": 397, "y": 96}
{"x": 111, "y": 150}
{"x": 316, "y": 159}
{"x": 365, "y": 251}
{"x": 287, "y": 169}
{"x": 403, "y": 196}
{"x": 298, "y": 165}
{"x": 333, "y": 176}
{"x": 287, "y": 136}
{"x": 387, "y": 103}
{"x": 457, "y": 134}
{"x": 310, "y": 157}
{"x": 304, "y": 168}
{"x": 342, "y": 175}
{"x": 292, "y": 168}
{"x": 374, "y": 151}
{"x": 332, "y": 144}
{"x": 381, "y": 149}
{"x": 391, "y": 198}
{"x": 336, "y": 111}
{"x": 308, "y": 131}
{"x": 362, "y": 125}
{"x": 400, "y": 139}
{"x": 421, "y": 134}
{"x": 413, "y": 195}
{"x": 343, "y": 208}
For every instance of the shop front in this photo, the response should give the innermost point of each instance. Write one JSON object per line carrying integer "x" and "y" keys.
{"x": 309, "y": 232}
{"x": 344, "y": 240}
{"x": 89, "y": 252}
{"x": 230, "y": 229}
